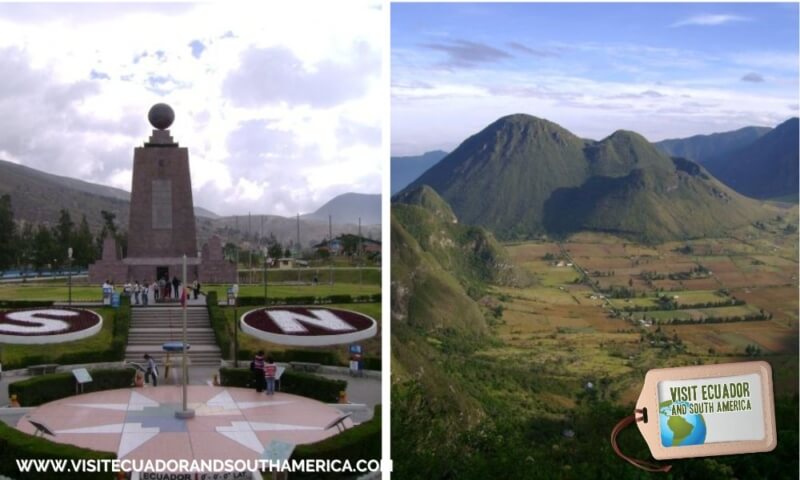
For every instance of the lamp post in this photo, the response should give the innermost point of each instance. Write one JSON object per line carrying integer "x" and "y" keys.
{"x": 69, "y": 275}
{"x": 264, "y": 251}
{"x": 235, "y": 289}
{"x": 185, "y": 412}
{"x": 235, "y": 326}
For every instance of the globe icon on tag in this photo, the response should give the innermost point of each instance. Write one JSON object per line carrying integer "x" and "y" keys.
{"x": 680, "y": 430}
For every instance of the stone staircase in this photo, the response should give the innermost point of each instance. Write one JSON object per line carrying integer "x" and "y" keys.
{"x": 153, "y": 326}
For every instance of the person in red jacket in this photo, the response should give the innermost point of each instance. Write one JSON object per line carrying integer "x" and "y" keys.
{"x": 270, "y": 370}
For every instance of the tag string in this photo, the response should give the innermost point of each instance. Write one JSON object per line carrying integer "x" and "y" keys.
{"x": 647, "y": 466}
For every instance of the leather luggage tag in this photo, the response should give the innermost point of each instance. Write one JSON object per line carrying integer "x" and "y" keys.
{"x": 701, "y": 411}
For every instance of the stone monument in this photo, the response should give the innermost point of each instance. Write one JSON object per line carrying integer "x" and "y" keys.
{"x": 161, "y": 227}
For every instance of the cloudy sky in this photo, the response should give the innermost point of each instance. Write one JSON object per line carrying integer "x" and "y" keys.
{"x": 663, "y": 70}
{"x": 279, "y": 103}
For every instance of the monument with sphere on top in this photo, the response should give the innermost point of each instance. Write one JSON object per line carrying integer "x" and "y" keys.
{"x": 161, "y": 226}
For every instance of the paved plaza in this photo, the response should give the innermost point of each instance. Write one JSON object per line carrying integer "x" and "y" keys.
{"x": 230, "y": 423}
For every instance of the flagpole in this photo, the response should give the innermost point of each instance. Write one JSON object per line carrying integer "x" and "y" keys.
{"x": 185, "y": 413}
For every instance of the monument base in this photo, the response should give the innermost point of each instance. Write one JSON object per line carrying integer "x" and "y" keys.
{"x": 152, "y": 269}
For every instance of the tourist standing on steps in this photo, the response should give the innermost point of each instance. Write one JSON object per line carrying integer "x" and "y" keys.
{"x": 167, "y": 289}
{"x": 145, "y": 292}
{"x": 270, "y": 370}
{"x": 257, "y": 367}
{"x": 156, "y": 289}
{"x": 195, "y": 288}
{"x": 175, "y": 284}
{"x": 152, "y": 370}
{"x": 137, "y": 290}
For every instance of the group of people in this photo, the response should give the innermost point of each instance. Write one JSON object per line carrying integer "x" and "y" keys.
{"x": 163, "y": 289}
{"x": 264, "y": 373}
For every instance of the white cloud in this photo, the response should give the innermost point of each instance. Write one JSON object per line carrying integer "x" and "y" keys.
{"x": 710, "y": 20}
{"x": 590, "y": 108}
{"x": 77, "y": 83}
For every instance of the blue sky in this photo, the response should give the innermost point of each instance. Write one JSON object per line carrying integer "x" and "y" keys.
{"x": 664, "y": 70}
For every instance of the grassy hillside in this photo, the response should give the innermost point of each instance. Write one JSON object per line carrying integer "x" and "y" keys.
{"x": 652, "y": 205}
{"x": 470, "y": 253}
{"x": 38, "y": 196}
{"x": 500, "y": 177}
{"x": 432, "y": 318}
{"x": 498, "y": 383}
{"x": 523, "y": 176}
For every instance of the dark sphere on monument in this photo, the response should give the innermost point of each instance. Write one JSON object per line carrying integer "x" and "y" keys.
{"x": 161, "y": 116}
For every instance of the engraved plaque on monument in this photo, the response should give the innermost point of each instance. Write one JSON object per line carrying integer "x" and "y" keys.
{"x": 162, "y": 204}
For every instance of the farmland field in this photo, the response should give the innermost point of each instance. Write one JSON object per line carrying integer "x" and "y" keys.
{"x": 590, "y": 314}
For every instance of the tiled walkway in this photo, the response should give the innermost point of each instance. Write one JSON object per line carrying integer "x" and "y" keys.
{"x": 230, "y": 423}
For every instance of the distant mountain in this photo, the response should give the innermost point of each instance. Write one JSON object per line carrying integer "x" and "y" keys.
{"x": 524, "y": 176}
{"x": 37, "y": 197}
{"x": 701, "y": 148}
{"x": 765, "y": 168}
{"x": 245, "y": 229}
{"x": 348, "y": 207}
{"x": 406, "y": 169}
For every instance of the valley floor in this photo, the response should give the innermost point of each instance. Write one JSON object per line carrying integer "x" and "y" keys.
{"x": 603, "y": 310}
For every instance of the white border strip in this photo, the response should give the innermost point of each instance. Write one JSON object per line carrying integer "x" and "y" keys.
{"x": 309, "y": 340}
{"x": 57, "y": 338}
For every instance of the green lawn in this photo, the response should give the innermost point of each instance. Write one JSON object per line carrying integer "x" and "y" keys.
{"x": 320, "y": 290}
{"x": 14, "y": 355}
{"x": 49, "y": 291}
{"x": 35, "y": 291}
{"x": 306, "y": 275}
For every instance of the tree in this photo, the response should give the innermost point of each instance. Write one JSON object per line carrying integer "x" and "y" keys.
{"x": 83, "y": 251}
{"x": 275, "y": 250}
{"x": 25, "y": 246}
{"x": 62, "y": 236}
{"x": 109, "y": 228}
{"x": 109, "y": 225}
{"x": 43, "y": 248}
{"x": 7, "y": 233}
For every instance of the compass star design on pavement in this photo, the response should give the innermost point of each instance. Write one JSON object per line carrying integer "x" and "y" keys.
{"x": 229, "y": 422}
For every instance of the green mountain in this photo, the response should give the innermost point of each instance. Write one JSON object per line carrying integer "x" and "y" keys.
{"x": 425, "y": 197}
{"x": 766, "y": 168}
{"x": 405, "y": 170}
{"x": 472, "y": 254}
{"x": 524, "y": 176}
{"x": 430, "y": 309}
{"x": 701, "y": 148}
{"x": 440, "y": 272}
